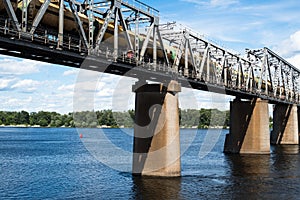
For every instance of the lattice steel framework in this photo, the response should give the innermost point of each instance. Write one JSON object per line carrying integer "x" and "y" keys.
{"x": 206, "y": 61}
{"x": 282, "y": 78}
{"x": 128, "y": 32}
{"x": 94, "y": 19}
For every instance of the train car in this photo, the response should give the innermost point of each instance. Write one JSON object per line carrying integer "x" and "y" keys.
{"x": 50, "y": 21}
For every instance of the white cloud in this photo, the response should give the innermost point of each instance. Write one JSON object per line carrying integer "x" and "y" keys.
{"x": 71, "y": 72}
{"x": 216, "y": 3}
{"x": 296, "y": 39}
{"x": 213, "y": 3}
{"x": 26, "y": 85}
{"x": 66, "y": 87}
{"x": 290, "y": 49}
{"x": 290, "y": 46}
{"x": 295, "y": 60}
{"x": 17, "y": 104}
{"x": 18, "y": 66}
{"x": 242, "y": 24}
{"x": 4, "y": 83}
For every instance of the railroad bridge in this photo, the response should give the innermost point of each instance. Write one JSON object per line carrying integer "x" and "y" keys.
{"x": 126, "y": 38}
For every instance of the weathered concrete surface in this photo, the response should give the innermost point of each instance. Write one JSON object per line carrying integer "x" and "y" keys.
{"x": 298, "y": 121}
{"x": 156, "y": 131}
{"x": 285, "y": 124}
{"x": 249, "y": 127}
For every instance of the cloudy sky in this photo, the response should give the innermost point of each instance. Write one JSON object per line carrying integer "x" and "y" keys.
{"x": 235, "y": 24}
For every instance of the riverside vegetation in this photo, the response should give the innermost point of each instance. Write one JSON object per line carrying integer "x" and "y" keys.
{"x": 190, "y": 118}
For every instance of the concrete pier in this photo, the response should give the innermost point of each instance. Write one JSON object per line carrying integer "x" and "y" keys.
{"x": 298, "y": 111}
{"x": 156, "y": 131}
{"x": 285, "y": 124}
{"x": 249, "y": 127}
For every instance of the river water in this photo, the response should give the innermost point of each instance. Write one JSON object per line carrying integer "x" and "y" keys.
{"x": 54, "y": 163}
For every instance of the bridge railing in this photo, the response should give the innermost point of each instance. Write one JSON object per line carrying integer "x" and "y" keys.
{"x": 202, "y": 59}
{"x": 139, "y": 5}
{"x": 281, "y": 76}
{"x": 169, "y": 48}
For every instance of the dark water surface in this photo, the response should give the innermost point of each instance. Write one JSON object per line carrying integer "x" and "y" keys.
{"x": 37, "y": 163}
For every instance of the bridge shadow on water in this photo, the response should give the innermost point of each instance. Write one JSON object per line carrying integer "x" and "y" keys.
{"x": 274, "y": 176}
{"x": 156, "y": 188}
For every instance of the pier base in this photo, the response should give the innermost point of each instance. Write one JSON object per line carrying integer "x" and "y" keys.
{"x": 249, "y": 127}
{"x": 285, "y": 125}
{"x": 156, "y": 131}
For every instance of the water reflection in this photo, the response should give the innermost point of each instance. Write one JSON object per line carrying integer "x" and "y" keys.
{"x": 247, "y": 173}
{"x": 264, "y": 176}
{"x": 57, "y": 165}
{"x": 156, "y": 188}
{"x": 249, "y": 165}
{"x": 285, "y": 160}
{"x": 285, "y": 149}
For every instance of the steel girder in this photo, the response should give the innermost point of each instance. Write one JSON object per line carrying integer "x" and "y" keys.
{"x": 12, "y": 15}
{"x": 118, "y": 14}
{"x": 282, "y": 77}
{"x": 261, "y": 72}
{"x": 198, "y": 58}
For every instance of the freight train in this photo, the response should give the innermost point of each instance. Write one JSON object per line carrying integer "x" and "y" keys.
{"x": 50, "y": 22}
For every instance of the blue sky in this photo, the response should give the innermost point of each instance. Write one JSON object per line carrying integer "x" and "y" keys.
{"x": 235, "y": 24}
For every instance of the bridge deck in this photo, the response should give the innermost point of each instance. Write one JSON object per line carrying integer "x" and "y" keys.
{"x": 164, "y": 53}
{"x": 23, "y": 49}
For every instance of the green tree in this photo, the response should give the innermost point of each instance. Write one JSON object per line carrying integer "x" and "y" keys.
{"x": 43, "y": 122}
{"x": 24, "y": 117}
{"x": 204, "y": 121}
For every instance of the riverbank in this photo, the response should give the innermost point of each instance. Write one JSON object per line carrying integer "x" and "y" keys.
{"x": 103, "y": 126}
{"x": 204, "y": 118}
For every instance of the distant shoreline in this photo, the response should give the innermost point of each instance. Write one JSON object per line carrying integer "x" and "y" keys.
{"x": 20, "y": 126}
{"x": 99, "y": 127}
{"x": 191, "y": 119}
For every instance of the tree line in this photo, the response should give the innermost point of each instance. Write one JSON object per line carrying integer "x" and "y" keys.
{"x": 203, "y": 118}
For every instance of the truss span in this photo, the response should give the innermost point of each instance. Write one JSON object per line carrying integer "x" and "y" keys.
{"x": 128, "y": 36}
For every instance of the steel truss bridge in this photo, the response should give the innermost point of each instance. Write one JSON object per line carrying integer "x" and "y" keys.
{"x": 127, "y": 36}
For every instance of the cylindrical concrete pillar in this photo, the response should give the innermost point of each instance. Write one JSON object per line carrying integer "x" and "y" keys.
{"x": 156, "y": 132}
{"x": 249, "y": 127}
{"x": 285, "y": 125}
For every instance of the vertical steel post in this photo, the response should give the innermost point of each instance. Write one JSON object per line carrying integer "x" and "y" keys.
{"x": 61, "y": 24}
{"x": 186, "y": 59}
{"x": 207, "y": 67}
{"x": 225, "y": 72}
{"x": 91, "y": 26}
{"x": 239, "y": 74}
{"x": 154, "y": 47}
{"x": 136, "y": 37}
{"x": 251, "y": 78}
{"x": 116, "y": 35}
{"x": 5, "y": 27}
{"x": 264, "y": 71}
{"x": 24, "y": 15}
